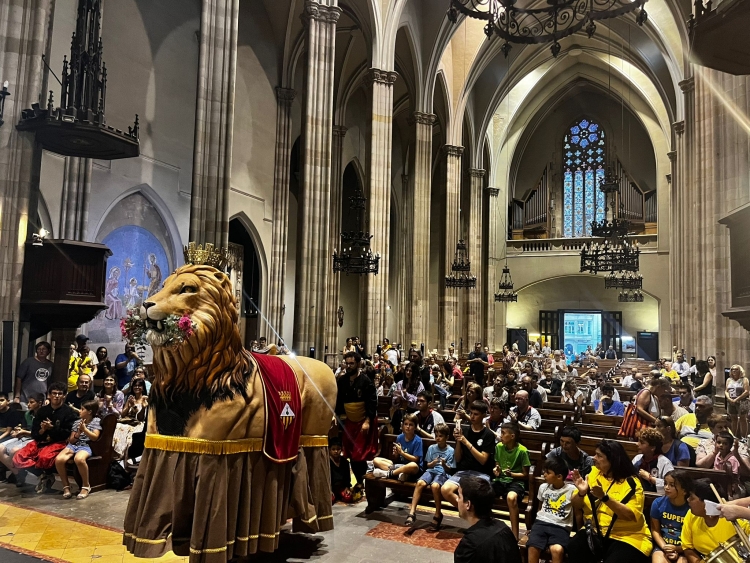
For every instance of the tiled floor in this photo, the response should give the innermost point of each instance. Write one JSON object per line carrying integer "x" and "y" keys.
{"x": 70, "y": 531}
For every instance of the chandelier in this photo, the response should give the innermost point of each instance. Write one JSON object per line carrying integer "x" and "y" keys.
{"x": 358, "y": 258}
{"x": 78, "y": 127}
{"x": 614, "y": 227}
{"x": 516, "y": 21}
{"x": 632, "y": 296}
{"x": 505, "y": 292}
{"x": 610, "y": 255}
{"x": 623, "y": 280}
{"x": 461, "y": 276}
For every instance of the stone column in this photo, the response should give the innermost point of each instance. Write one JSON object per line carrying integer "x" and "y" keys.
{"x": 405, "y": 265}
{"x": 314, "y": 255}
{"x": 495, "y": 311}
{"x": 379, "y": 202}
{"x": 24, "y": 28}
{"x": 474, "y": 314}
{"x": 333, "y": 286}
{"x": 418, "y": 308}
{"x": 214, "y": 123}
{"x": 448, "y": 300}
{"x": 688, "y": 175}
{"x": 76, "y": 192}
{"x": 677, "y": 158}
{"x": 284, "y": 99}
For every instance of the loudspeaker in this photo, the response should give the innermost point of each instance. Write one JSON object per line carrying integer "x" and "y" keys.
{"x": 522, "y": 336}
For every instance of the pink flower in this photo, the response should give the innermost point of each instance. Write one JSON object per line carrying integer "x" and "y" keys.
{"x": 123, "y": 327}
{"x": 185, "y": 324}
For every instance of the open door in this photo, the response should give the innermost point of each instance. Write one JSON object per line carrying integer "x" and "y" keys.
{"x": 549, "y": 328}
{"x": 612, "y": 330}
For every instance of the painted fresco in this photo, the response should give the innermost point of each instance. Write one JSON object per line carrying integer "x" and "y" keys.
{"x": 136, "y": 270}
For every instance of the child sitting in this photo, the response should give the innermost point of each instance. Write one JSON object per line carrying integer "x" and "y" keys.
{"x": 439, "y": 456}
{"x": 86, "y": 429}
{"x": 407, "y": 450}
{"x": 341, "y": 477}
{"x": 726, "y": 455}
{"x": 511, "y": 470}
{"x": 650, "y": 464}
{"x": 667, "y": 515}
{"x": 497, "y": 414}
{"x": 555, "y": 517}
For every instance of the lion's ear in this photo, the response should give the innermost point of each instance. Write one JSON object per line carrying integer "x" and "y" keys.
{"x": 220, "y": 276}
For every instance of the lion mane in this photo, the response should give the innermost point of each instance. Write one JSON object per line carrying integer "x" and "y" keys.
{"x": 210, "y": 366}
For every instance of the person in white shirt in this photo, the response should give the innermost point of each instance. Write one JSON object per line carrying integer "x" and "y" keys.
{"x": 546, "y": 350}
{"x": 680, "y": 365}
{"x": 628, "y": 380}
{"x": 558, "y": 364}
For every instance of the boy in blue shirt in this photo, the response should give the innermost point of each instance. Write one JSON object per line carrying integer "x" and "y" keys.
{"x": 608, "y": 405}
{"x": 439, "y": 456}
{"x": 407, "y": 452}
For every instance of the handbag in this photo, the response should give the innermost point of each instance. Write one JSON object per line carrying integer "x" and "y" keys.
{"x": 632, "y": 423}
{"x": 593, "y": 531}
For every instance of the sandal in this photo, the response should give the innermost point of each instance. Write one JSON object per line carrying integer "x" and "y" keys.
{"x": 66, "y": 493}
{"x": 81, "y": 495}
{"x": 41, "y": 484}
{"x": 411, "y": 519}
{"x": 436, "y": 522}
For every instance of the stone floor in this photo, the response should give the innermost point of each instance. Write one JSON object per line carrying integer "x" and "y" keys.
{"x": 32, "y": 524}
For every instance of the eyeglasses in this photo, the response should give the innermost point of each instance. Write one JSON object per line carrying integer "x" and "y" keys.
{"x": 56, "y": 394}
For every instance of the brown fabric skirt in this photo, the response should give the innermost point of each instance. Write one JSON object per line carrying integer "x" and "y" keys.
{"x": 215, "y": 507}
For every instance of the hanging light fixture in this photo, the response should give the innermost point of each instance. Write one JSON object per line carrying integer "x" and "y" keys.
{"x": 461, "y": 276}
{"x": 623, "y": 280}
{"x": 78, "y": 127}
{"x": 610, "y": 255}
{"x": 356, "y": 256}
{"x": 516, "y": 21}
{"x": 631, "y": 296}
{"x": 505, "y": 293}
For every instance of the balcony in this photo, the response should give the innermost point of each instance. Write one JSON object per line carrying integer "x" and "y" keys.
{"x": 568, "y": 246}
{"x": 718, "y": 31}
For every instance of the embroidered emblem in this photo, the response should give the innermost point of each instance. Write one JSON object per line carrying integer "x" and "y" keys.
{"x": 479, "y": 442}
{"x": 285, "y": 396}
{"x": 287, "y": 416}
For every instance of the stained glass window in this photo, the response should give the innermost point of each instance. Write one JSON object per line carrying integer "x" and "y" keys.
{"x": 583, "y": 167}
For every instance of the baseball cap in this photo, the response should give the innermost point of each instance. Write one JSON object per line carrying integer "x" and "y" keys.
{"x": 82, "y": 338}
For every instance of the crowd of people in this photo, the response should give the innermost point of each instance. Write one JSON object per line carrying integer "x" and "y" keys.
{"x": 591, "y": 507}
{"x": 47, "y": 424}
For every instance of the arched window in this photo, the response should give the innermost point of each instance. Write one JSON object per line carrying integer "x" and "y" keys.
{"x": 584, "y": 154}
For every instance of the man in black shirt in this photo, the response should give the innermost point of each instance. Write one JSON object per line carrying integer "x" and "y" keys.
{"x": 423, "y": 371}
{"x": 84, "y": 393}
{"x": 535, "y": 397}
{"x": 487, "y": 540}
{"x": 357, "y": 410}
{"x": 477, "y": 362}
{"x": 474, "y": 452}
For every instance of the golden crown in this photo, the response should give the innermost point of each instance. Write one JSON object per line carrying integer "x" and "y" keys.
{"x": 285, "y": 396}
{"x": 209, "y": 256}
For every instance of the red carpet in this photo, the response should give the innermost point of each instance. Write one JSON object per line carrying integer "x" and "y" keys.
{"x": 444, "y": 541}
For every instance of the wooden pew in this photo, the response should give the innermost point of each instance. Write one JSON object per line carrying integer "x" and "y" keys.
{"x": 598, "y": 431}
{"x": 589, "y": 444}
{"x": 602, "y": 419}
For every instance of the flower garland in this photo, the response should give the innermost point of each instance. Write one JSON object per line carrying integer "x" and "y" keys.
{"x": 176, "y": 329}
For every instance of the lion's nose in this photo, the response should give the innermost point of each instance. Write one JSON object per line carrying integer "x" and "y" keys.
{"x": 147, "y": 304}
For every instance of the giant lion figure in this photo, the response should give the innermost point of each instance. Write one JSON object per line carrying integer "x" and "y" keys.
{"x": 204, "y": 487}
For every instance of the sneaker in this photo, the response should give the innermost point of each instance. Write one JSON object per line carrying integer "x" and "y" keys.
{"x": 379, "y": 473}
{"x": 40, "y": 486}
{"x": 12, "y": 479}
{"x": 403, "y": 477}
{"x": 21, "y": 478}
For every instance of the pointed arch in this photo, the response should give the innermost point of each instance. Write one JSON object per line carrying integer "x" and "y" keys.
{"x": 150, "y": 194}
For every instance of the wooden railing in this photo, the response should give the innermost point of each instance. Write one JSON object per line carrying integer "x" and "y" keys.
{"x": 572, "y": 245}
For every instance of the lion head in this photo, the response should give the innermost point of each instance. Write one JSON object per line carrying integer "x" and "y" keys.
{"x": 212, "y": 363}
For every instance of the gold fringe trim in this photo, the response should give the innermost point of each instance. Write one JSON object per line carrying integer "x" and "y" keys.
{"x": 220, "y": 447}
{"x": 208, "y": 550}
{"x": 144, "y": 540}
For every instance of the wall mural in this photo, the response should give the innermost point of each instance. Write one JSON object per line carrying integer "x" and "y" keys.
{"x": 135, "y": 271}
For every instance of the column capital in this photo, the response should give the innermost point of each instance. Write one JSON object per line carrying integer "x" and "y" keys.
{"x": 492, "y": 192}
{"x": 476, "y": 172}
{"x": 678, "y": 127}
{"x": 687, "y": 85}
{"x": 425, "y": 118}
{"x": 285, "y": 95}
{"x": 339, "y": 131}
{"x": 373, "y": 75}
{"x": 672, "y": 155}
{"x": 321, "y": 12}
{"x": 453, "y": 150}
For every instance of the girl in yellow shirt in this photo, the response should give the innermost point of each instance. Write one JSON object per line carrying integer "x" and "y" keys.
{"x": 612, "y": 496}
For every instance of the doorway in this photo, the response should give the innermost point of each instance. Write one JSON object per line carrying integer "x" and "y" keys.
{"x": 581, "y": 330}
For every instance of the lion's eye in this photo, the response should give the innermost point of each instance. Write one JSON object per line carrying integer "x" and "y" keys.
{"x": 189, "y": 289}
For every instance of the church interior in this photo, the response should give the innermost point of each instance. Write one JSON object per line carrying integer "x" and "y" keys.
{"x": 415, "y": 174}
